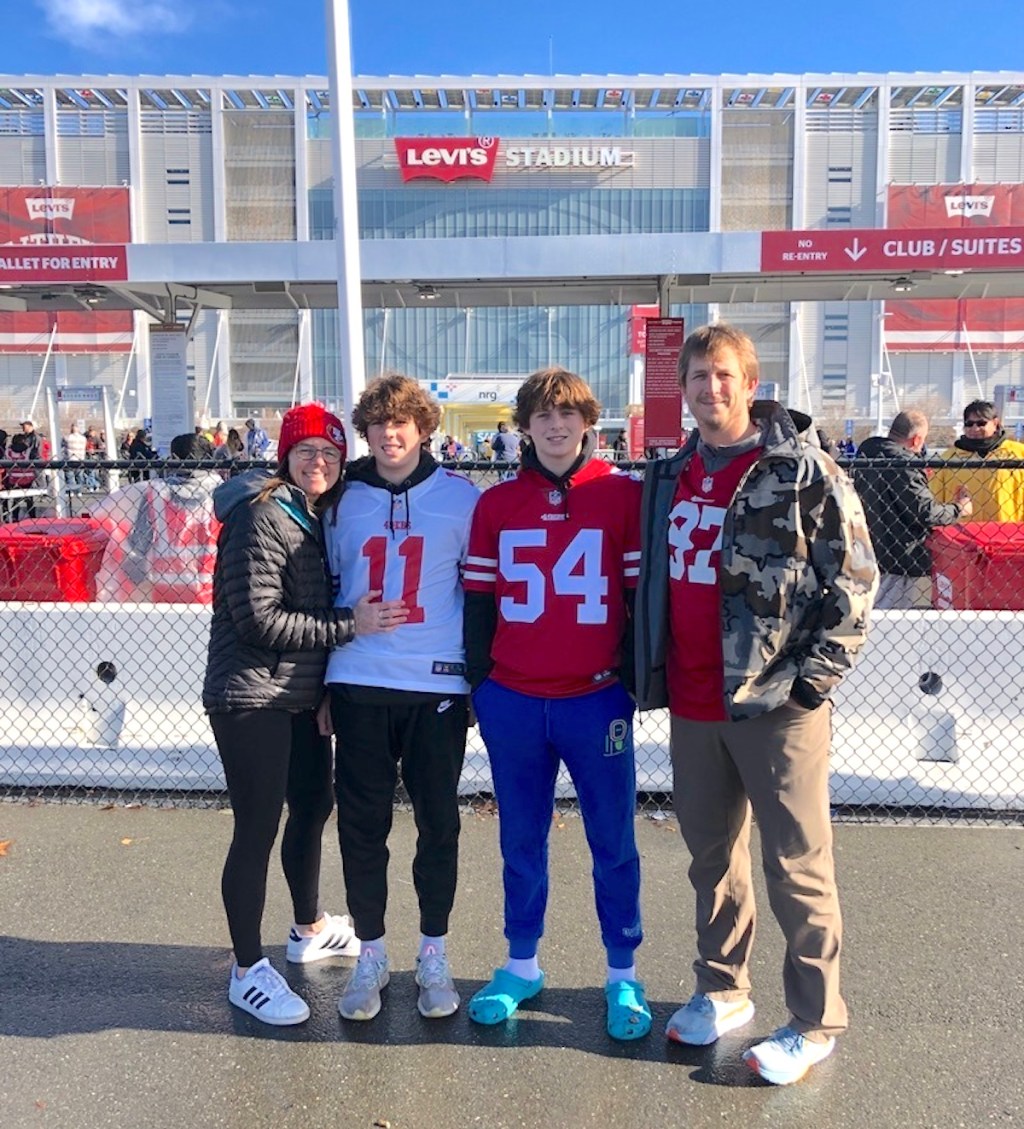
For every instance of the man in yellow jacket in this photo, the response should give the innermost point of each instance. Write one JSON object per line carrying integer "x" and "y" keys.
{"x": 997, "y": 494}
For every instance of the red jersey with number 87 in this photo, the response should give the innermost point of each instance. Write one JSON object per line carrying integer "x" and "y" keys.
{"x": 558, "y": 563}
{"x": 695, "y": 667}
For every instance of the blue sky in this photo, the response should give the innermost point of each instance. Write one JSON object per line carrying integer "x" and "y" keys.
{"x": 526, "y": 36}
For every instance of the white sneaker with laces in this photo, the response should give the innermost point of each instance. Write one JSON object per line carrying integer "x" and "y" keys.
{"x": 361, "y": 998}
{"x": 438, "y": 996}
{"x": 264, "y": 993}
{"x": 702, "y": 1020}
{"x": 786, "y": 1056}
{"x": 337, "y": 938}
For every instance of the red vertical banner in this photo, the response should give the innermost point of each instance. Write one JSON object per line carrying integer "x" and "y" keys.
{"x": 52, "y": 220}
{"x": 638, "y": 318}
{"x": 947, "y": 324}
{"x": 663, "y": 397}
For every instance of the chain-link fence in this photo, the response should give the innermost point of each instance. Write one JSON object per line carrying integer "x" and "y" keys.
{"x": 105, "y": 576}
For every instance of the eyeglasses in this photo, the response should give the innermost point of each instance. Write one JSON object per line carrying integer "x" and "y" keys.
{"x": 307, "y": 454}
{"x": 976, "y": 422}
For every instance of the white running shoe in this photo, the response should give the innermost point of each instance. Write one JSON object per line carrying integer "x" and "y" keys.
{"x": 437, "y": 997}
{"x": 264, "y": 993}
{"x": 336, "y": 939}
{"x": 786, "y": 1056}
{"x": 702, "y": 1020}
{"x": 361, "y": 998}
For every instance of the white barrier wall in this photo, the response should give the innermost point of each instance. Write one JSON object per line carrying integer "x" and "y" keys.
{"x": 959, "y": 747}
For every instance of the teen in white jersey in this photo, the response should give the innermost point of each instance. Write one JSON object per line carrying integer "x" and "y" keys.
{"x": 401, "y": 527}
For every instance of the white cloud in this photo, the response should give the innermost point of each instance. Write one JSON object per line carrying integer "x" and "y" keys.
{"x": 93, "y": 21}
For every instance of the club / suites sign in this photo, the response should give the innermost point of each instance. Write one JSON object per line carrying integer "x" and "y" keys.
{"x": 463, "y": 158}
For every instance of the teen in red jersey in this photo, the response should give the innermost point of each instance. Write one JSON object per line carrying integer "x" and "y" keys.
{"x": 553, "y": 556}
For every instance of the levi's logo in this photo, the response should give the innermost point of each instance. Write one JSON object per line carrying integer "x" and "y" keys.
{"x": 50, "y": 209}
{"x": 969, "y": 205}
{"x": 446, "y": 158}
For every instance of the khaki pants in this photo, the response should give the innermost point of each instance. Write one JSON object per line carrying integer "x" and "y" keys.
{"x": 777, "y": 765}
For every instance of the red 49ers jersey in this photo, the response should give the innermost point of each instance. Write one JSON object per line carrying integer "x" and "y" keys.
{"x": 695, "y": 668}
{"x": 558, "y": 564}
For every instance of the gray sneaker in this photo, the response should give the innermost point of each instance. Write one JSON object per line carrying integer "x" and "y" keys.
{"x": 361, "y": 998}
{"x": 438, "y": 997}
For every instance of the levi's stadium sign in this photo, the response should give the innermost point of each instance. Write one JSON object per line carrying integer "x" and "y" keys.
{"x": 446, "y": 158}
{"x": 461, "y": 158}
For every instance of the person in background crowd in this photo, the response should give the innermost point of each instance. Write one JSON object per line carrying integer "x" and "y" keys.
{"x": 846, "y": 448}
{"x": 902, "y": 511}
{"x": 402, "y": 525}
{"x": 621, "y": 446}
{"x": 752, "y": 531}
{"x": 256, "y": 440}
{"x": 162, "y": 535}
{"x": 273, "y": 624}
{"x": 229, "y": 452}
{"x": 220, "y": 434}
{"x": 505, "y": 444}
{"x": 140, "y": 450}
{"x": 38, "y": 446}
{"x": 74, "y": 451}
{"x": 549, "y": 582}
{"x": 485, "y": 451}
{"x": 204, "y": 439}
{"x": 124, "y": 447}
{"x": 996, "y": 495}
{"x": 21, "y": 477}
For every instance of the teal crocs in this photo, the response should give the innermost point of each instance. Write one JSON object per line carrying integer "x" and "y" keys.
{"x": 498, "y": 1000}
{"x": 629, "y": 1017}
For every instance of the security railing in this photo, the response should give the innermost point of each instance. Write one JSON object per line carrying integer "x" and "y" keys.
{"x": 106, "y": 646}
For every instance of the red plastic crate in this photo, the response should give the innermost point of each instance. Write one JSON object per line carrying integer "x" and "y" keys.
{"x": 978, "y": 566}
{"x": 52, "y": 560}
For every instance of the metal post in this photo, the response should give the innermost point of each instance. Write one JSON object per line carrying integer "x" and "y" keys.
{"x": 42, "y": 371}
{"x": 351, "y": 354}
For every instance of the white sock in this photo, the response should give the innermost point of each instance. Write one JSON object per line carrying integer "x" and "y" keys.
{"x": 526, "y": 968}
{"x": 378, "y": 947}
{"x": 437, "y": 943}
{"x": 621, "y": 973}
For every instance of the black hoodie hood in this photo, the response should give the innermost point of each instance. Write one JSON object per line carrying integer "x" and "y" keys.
{"x": 365, "y": 470}
{"x": 981, "y": 446}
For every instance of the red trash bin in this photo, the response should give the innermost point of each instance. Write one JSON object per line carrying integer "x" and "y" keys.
{"x": 51, "y": 560}
{"x": 978, "y": 566}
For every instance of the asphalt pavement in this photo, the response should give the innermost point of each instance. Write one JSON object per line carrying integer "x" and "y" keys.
{"x": 114, "y": 962}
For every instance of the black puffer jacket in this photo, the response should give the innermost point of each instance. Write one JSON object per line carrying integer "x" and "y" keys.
{"x": 900, "y": 509}
{"x": 273, "y": 622}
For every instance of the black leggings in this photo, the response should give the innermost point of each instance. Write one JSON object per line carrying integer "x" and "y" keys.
{"x": 270, "y": 756}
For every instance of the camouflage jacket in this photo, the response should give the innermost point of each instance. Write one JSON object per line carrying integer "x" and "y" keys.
{"x": 797, "y": 574}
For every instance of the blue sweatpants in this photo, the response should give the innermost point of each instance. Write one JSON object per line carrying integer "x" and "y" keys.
{"x": 592, "y": 734}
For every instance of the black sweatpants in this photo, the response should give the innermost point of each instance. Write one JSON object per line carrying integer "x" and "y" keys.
{"x": 428, "y": 738}
{"x": 270, "y": 756}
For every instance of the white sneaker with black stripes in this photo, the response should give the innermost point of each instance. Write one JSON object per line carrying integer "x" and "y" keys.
{"x": 337, "y": 938}
{"x": 264, "y": 993}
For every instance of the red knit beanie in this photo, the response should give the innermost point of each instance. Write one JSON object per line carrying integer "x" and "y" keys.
{"x": 310, "y": 421}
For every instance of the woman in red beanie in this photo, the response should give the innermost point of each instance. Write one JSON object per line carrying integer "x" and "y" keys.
{"x": 273, "y": 625}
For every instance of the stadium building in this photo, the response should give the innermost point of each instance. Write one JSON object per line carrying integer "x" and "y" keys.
{"x": 523, "y": 171}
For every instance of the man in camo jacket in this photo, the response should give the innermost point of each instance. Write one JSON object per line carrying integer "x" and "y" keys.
{"x": 755, "y": 587}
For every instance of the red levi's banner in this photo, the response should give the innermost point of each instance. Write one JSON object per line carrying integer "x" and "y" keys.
{"x": 57, "y": 235}
{"x": 446, "y": 158}
{"x": 977, "y": 212}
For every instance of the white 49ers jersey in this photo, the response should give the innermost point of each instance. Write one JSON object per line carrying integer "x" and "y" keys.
{"x": 411, "y": 546}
